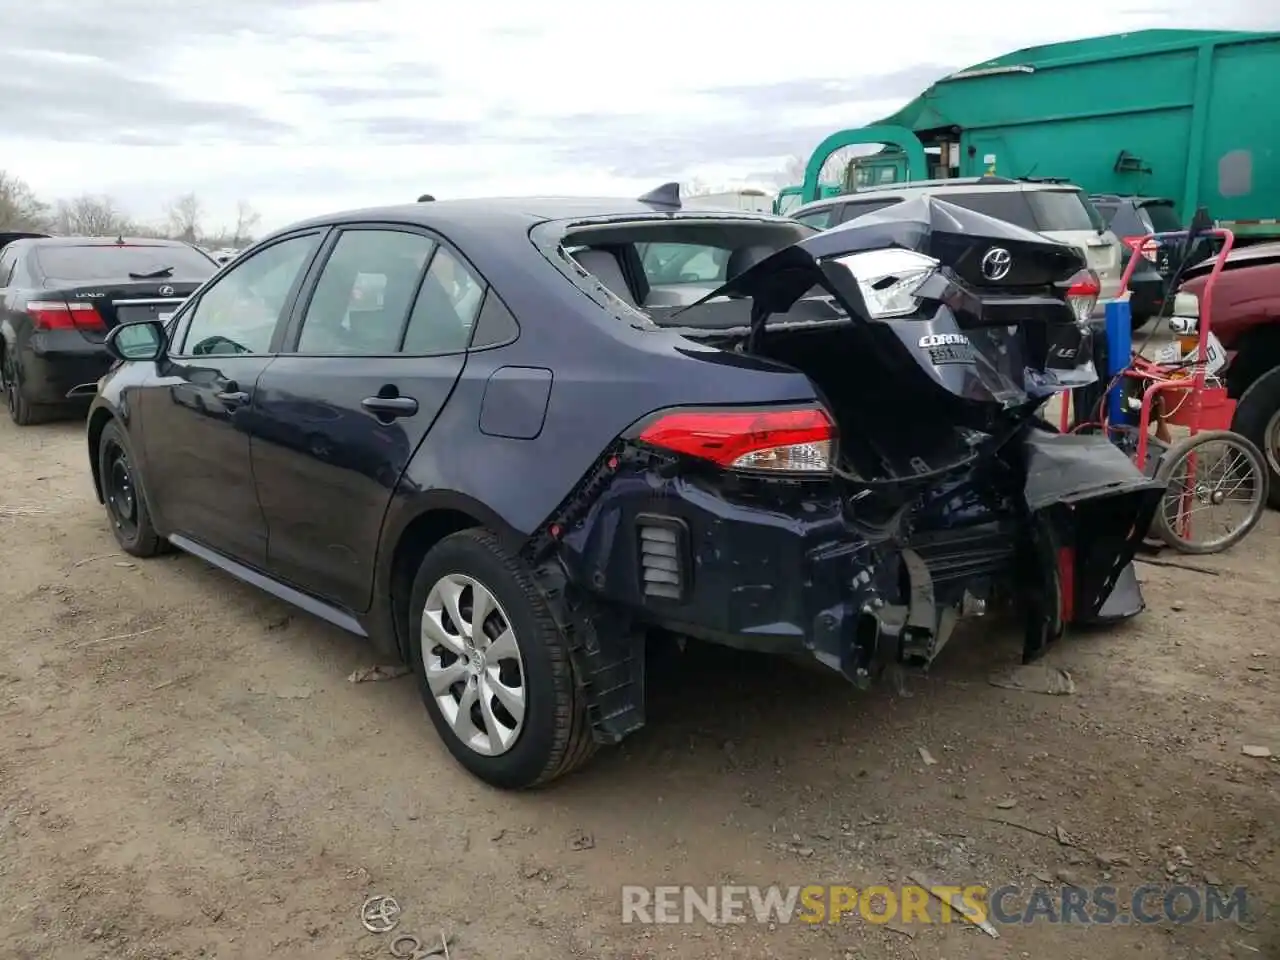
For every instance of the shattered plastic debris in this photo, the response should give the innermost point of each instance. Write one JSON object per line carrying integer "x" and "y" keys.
{"x": 1035, "y": 678}
{"x": 379, "y": 672}
{"x": 1251, "y": 751}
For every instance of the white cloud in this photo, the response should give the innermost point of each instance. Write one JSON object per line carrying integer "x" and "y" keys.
{"x": 484, "y": 99}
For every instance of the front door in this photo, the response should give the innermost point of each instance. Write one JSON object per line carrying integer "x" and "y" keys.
{"x": 196, "y": 412}
{"x": 371, "y": 356}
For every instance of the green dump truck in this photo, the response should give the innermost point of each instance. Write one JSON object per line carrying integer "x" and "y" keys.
{"x": 1190, "y": 115}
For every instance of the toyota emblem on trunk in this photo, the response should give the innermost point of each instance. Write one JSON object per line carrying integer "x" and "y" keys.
{"x": 996, "y": 263}
{"x": 168, "y": 291}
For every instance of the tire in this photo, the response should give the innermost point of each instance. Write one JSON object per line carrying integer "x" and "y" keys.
{"x": 1177, "y": 454}
{"x": 21, "y": 411}
{"x": 552, "y": 737}
{"x": 1257, "y": 417}
{"x": 130, "y": 524}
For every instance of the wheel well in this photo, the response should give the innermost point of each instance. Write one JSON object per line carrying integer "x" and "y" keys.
{"x": 1257, "y": 353}
{"x": 97, "y": 423}
{"x": 423, "y": 533}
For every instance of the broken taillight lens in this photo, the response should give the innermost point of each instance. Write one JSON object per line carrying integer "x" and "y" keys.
{"x": 1082, "y": 294}
{"x": 888, "y": 279}
{"x": 775, "y": 441}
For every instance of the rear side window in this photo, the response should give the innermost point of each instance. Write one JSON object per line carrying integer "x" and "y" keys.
{"x": 1161, "y": 218}
{"x": 91, "y": 262}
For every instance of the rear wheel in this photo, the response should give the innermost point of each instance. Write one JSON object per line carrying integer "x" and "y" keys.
{"x": 126, "y": 508}
{"x": 1257, "y": 417}
{"x": 492, "y": 666}
{"x": 1217, "y": 492}
{"x": 21, "y": 412}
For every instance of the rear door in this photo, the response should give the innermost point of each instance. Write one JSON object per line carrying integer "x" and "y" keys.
{"x": 372, "y": 353}
{"x": 197, "y": 408}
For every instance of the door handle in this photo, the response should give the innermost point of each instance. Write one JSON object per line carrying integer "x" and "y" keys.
{"x": 391, "y": 407}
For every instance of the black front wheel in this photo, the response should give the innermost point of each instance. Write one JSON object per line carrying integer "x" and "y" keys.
{"x": 126, "y": 507}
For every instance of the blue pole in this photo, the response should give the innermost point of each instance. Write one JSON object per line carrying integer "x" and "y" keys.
{"x": 1119, "y": 348}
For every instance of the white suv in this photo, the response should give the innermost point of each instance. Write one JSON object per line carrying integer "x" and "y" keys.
{"x": 1056, "y": 210}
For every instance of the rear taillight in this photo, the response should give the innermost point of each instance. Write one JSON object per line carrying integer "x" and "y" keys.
{"x": 55, "y": 315}
{"x": 1140, "y": 245}
{"x": 1082, "y": 294}
{"x": 789, "y": 441}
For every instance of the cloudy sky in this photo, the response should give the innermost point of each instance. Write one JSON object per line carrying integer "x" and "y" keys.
{"x": 303, "y": 106}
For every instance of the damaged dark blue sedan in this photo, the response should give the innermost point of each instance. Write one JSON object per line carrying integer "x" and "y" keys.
{"x": 514, "y": 441}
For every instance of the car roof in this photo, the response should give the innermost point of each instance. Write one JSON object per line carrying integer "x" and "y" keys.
{"x": 910, "y": 188}
{"x": 520, "y": 212}
{"x": 107, "y": 242}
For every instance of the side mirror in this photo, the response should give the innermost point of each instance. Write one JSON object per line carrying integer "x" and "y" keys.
{"x": 141, "y": 340}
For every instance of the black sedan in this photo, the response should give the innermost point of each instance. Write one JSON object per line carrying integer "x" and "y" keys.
{"x": 58, "y": 298}
{"x": 513, "y": 442}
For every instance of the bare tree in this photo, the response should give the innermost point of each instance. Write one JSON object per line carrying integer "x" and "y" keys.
{"x": 20, "y": 208}
{"x": 185, "y": 214}
{"x": 90, "y": 216}
{"x": 247, "y": 220}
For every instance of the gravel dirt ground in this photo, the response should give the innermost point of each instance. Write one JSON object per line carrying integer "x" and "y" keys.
{"x": 186, "y": 771}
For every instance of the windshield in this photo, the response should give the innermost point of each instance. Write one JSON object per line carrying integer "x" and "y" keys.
{"x": 130, "y": 262}
{"x": 788, "y": 202}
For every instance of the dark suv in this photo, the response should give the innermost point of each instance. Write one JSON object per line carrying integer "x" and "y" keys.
{"x": 1131, "y": 219}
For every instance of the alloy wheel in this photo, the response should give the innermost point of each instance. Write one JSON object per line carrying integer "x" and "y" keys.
{"x": 472, "y": 664}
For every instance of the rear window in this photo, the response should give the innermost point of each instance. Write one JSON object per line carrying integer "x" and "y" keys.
{"x": 1161, "y": 217}
{"x": 1038, "y": 210}
{"x": 854, "y": 210}
{"x": 108, "y": 262}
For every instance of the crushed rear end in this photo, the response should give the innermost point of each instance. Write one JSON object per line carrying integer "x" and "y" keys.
{"x": 920, "y": 487}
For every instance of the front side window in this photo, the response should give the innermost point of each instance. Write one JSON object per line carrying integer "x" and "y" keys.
{"x": 364, "y": 293}
{"x": 239, "y": 312}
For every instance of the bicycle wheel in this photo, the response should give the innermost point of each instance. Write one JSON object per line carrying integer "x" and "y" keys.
{"x": 1213, "y": 471}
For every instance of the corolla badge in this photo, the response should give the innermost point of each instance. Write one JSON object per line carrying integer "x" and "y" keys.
{"x": 166, "y": 291}
{"x": 996, "y": 263}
